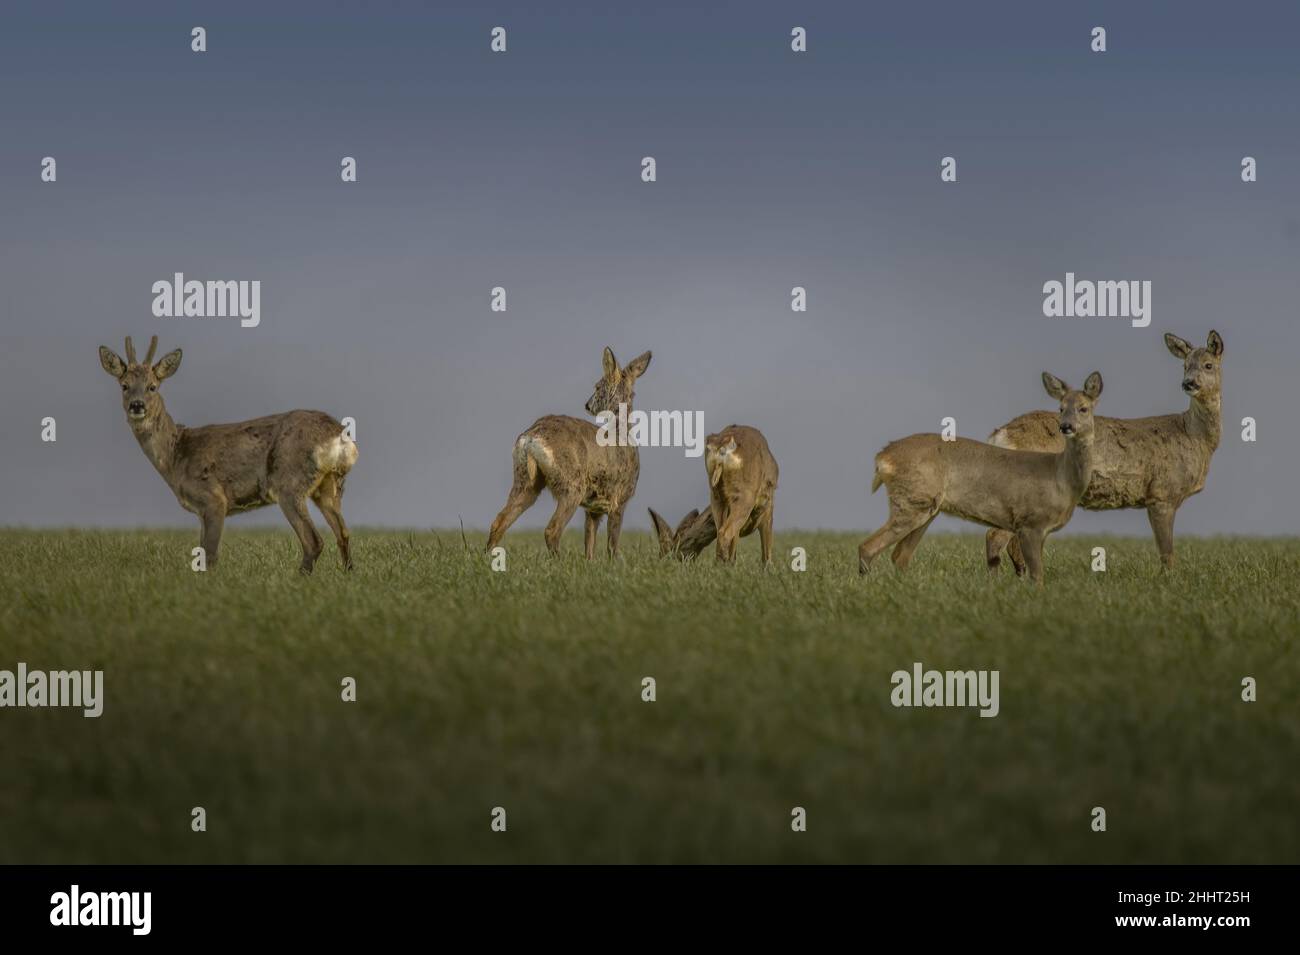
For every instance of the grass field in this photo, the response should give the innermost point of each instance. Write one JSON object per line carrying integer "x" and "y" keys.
{"x": 522, "y": 690}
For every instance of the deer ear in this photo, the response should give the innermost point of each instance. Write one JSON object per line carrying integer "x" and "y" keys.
{"x": 1055, "y": 386}
{"x": 111, "y": 362}
{"x": 167, "y": 365}
{"x": 637, "y": 366}
{"x": 609, "y": 364}
{"x": 1215, "y": 344}
{"x": 1177, "y": 346}
{"x": 1092, "y": 387}
{"x": 663, "y": 532}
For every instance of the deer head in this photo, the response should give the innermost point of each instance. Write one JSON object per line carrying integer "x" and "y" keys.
{"x": 694, "y": 532}
{"x": 140, "y": 381}
{"x": 1200, "y": 365}
{"x": 615, "y": 384}
{"x": 1076, "y": 417}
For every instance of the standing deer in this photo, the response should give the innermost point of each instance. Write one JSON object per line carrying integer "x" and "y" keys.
{"x": 222, "y": 469}
{"x": 1030, "y": 493}
{"x": 1156, "y": 463}
{"x": 562, "y": 453}
{"x": 742, "y": 487}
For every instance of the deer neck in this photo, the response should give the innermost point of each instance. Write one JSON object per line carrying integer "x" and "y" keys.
{"x": 158, "y": 442}
{"x": 1075, "y": 466}
{"x": 1202, "y": 419}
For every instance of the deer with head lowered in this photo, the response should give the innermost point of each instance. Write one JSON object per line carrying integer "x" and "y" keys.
{"x": 742, "y": 489}
{"x": 1029, "y": 493}
{"x": 562, "y": 453}
{"x": 223, "y": 469}
{"x": 693, "y": 533}
{"x": 1156, "y": 463}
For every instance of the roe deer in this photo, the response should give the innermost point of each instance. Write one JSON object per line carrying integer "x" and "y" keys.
{"x": 562, "y": 453}
{"x": 222, "y": 469}
{"x": 694, "y": 532}
{"x": 1030, "y": 493}
{"x": 1156, "y": 463}
{"x": 742, "y": 488}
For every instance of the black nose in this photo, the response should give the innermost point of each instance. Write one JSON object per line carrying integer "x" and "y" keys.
{"x": 136, "y": 407}
{"x": 1067, "y": 429}
{"x": 1188, "y": 384}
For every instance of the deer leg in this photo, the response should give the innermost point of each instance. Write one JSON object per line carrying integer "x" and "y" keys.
{"x": 900, "y": 524}
{"x": 564, "y": 508}
{"x": 1031, "y": 546}
{"x": 995, "y": 542}
{"x": 329, "y": 498}
{"x": 614, "y": 530}
{"x": 1161, "y": 516}
{"x": 729, "y": 532}
{"x": 295, "y": 509}
{"x": 211, "y": 522}
{"x": 904, "y": 549}
{"x": 765, "y": 535}
{"x": 523, "y": 494}
{"x": 740, "y": 512}
{"x": 1017, "y": 556}
{"x": 593, "y": 525}
{"x": 718, "y": 508}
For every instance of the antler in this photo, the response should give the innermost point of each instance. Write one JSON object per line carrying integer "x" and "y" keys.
{"x": 153, "y": 347}
{"x": 130, "y": 351}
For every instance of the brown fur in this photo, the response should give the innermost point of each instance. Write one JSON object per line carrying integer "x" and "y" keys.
{"x": 561, "y": 453}
{"x": 1156, "y": 463}
{"x": 742, "y": 488}
{"x": 1029, "y": 493}
{"x": 693, "y": 533}
{"x": 222, "y": 469}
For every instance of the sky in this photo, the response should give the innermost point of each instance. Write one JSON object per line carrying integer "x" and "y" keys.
{"x": 522, "y": 170}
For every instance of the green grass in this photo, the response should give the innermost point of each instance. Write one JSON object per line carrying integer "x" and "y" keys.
{"x": 523, "y": 690}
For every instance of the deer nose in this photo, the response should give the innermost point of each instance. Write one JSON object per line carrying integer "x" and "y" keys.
{"x": 1188, "y": 384}
{"x": 1067, "y": 428}
{"x": 136, "y": 407}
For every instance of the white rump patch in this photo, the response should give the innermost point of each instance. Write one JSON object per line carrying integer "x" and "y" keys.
{"x": 537, "y": 448}
{"x": 336, "y": 455}
{"x": 1000, "y": 439}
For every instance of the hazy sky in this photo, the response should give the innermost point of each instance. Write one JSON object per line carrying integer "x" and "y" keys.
{"x": 522, "y": 170}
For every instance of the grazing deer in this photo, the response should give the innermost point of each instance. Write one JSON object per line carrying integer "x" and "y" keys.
{"x": 1030, "y": 493}
{"x": 1156, "y": 463}
{"x": 694, "y": 532}
{"x": 222, "y": 469}
{"x": 742, "y": 488}
{"x": 562, "y": 453}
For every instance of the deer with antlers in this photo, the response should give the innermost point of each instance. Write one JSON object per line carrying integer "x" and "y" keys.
{"x": 223, "y": 469}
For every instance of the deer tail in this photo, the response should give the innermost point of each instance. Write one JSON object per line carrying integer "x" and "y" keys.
{"x": 531, "y": 457}
{"x": 884, "y": 468}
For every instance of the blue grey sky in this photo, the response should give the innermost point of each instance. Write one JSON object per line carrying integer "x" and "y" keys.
{"x": 522, "y": 170}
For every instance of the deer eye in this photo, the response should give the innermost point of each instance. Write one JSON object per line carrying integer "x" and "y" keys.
{"x": 153, "y": 387}
{"x": 1209, "y": 366}
{"x": 1083, "y": 411}
{"x": 125, "y": 386}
